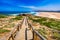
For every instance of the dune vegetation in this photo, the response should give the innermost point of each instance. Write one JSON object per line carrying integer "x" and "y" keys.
{"x": 50, "y": 24}
{"x": 17, "y": 18}
{"x": 4, "y": 30}
{"x": 3, "y": 16}
{"x": 7, "y": 23}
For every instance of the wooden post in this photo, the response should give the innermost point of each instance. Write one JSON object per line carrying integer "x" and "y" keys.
{"x": 18, "y": 28}
{"x": 33, "y": 35}
{"x": 12, "y": 37}
{"x": 26, "y": 34}
{"x": 9, "y": 38}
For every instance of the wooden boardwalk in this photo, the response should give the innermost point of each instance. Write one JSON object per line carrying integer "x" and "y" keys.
{"x": 22, "y": 32}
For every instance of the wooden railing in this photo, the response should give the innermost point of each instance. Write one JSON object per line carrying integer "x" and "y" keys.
{"x": 36, "y": 35}
{"x": 12, "y": 34}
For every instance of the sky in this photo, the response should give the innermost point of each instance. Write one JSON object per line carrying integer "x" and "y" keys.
{"x": 29, "y": 5}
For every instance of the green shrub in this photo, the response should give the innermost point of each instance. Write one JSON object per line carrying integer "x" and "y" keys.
{"x": 17, "y": 18}
{"x": 4, "y": 30}
{"x": 3, "y": 16}
{"x": 49, "y": 22}
{"x": 56, "y": 35}
{"x": 42, "y": 32}
{"x": 9, "y": 26}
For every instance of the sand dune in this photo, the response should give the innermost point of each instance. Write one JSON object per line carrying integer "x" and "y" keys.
{"x": 49, "y": 14}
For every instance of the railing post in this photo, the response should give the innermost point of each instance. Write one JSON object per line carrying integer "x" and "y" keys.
{"x": 26, "y": 34}
{"x": 9, "y": 38}
{"x": 12, "y": 37}
{"x": 18, "y": 28}
{"x": 33, "y": 35}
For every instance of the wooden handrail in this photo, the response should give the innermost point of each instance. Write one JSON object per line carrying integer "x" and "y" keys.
{"x": 16, "y": 28}
{"x": 38, "y": 35}
{"x": 36, "y": 32}
{"x": 12, "y": 34}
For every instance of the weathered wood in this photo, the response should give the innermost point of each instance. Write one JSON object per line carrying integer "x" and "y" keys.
{"x": 9, "y": 38}
{"x": 26, "y": 34}
{"x": 33, "y": 34}
{"x": 18, "y": 28}
{"x": 12, "y": 37}
{"x": 38, "y": 35}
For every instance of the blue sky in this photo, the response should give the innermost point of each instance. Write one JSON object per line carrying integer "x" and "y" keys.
{"x": 29, "y": 5}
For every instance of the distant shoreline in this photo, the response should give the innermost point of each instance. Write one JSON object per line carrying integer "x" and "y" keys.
{"x": 17, "y": 12}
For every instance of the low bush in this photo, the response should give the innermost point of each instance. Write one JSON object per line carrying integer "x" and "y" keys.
{"x": 4, "y": 30}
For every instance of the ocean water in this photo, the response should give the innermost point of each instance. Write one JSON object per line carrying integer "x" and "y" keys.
{"x": 16, "y": 13}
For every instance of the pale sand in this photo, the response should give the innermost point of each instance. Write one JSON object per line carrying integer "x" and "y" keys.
{"x": 55, "y": 15}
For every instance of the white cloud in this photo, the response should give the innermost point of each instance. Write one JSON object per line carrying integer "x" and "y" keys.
{"x": 32, "y": 7}
{"x": 50, "y": 7}
{"x": 46, "y": 7}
